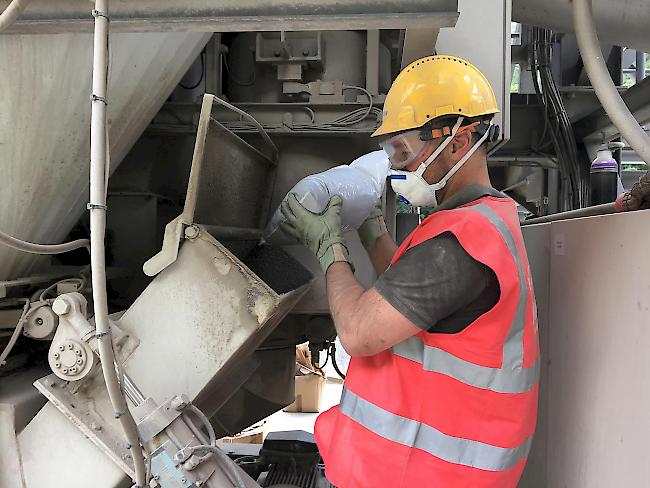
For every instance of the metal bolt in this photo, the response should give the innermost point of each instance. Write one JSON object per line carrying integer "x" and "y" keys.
{"x": 65, "y": 370}
{"x": 178, "y": 403}
{"x": 95, "y": 426}
{"x": 56, "y": 355}
{"x": 39, "y": 321}
{"x": 70, "y": 346}
{"x": 191, "y": 232}
{"x": 57, "y": 365}
{"x": 61, "y": 348}
{"x": 73, "y": 369}
{"x": 60, "y": 306}
{"x": 80, "y": 361}
{"x": 183, "y": 480}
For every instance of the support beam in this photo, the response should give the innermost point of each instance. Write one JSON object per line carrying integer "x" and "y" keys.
{"x": 598, "y": 127}
{"x": 55, "y": 16}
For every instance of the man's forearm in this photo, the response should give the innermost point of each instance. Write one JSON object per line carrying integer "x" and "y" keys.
{"x": 382, "y": 253}
{"x": 365, "y": 322}
{"x": 344, "y": 293}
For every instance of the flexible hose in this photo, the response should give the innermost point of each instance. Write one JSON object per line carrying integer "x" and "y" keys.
{"x": 98, "y": 173}
{"x": 32, "y": 248}
{"x": 14, "y": 337}
{"x": 602, "y": 82}
{"x": 212, "y": 436}
{"x": 11, "y": 13}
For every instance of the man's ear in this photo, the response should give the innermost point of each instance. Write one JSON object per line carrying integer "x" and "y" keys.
{"x": 461, "y": 144}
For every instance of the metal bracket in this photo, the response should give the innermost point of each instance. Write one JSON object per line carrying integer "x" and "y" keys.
{"x": 80, "y": 410}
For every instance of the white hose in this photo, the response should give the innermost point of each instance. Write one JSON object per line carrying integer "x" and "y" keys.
{"x": 98, "y": 172}
{"x": 602, "y": 82}
{"x": 14, "y": 337}
{"x": 32, "y": 248}
{"x": 11, "y": 13}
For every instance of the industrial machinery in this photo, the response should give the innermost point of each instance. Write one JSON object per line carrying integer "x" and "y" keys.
{"x": 127, "y": 366}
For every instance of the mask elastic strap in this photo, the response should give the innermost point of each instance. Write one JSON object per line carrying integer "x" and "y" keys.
{"x": 423, "y": 167}
{"x": 441, "y": 184}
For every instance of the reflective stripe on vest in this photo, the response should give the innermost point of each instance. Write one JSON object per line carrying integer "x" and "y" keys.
{"x": 421, "y": 436}
{"x": 512, "y": 377}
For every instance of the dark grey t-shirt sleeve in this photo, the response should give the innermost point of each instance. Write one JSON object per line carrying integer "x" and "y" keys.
{"x": 438, "y": 286}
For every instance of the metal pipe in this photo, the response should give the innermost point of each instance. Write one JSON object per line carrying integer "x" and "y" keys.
{"x": 602, "y": 82}
{"x": 32, "y": 248}
{"x": 547, "y": 162}
{"x": 11, "y": 13}
{"x": 596, "y": 210}
{"x": 97, "y": 207}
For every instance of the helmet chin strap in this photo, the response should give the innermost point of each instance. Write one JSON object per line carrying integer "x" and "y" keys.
{"x": 443, "y": 182}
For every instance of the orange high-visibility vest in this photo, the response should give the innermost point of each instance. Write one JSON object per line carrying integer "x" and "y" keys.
{"x": 447, "y": 410}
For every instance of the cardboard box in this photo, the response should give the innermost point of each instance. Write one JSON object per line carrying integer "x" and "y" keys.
{"x": 309, "y": 394}
{"x": 252, "y": 435}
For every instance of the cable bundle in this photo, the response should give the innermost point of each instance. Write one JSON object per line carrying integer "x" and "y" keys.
{"x": 574, "y": 180}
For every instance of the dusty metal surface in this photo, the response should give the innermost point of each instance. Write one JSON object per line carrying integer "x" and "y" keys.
{"x": 207, "y": 311}
{"x": 89, "y": 414}
{"x": 54, "y": 452}
{"x": 11, "y": 473}
{"x": 235, "y": 184}
{"x": 238, "y": 15}
{"x": 593, "y": 428}
{"x": 44, "y": 121}
{"x": 623, "y": 22}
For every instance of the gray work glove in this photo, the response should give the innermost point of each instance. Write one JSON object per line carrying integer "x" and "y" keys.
{"x": 372, "y": 228}
{"x": 320, "y": 233}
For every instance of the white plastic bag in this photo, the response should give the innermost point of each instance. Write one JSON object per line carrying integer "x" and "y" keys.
{"x": 360, "y": 185}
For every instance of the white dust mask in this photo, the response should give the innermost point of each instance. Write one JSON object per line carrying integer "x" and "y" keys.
{"x": 412, "y": 186}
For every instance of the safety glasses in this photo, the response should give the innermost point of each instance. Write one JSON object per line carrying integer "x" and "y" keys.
{"x": 403, "y": 148}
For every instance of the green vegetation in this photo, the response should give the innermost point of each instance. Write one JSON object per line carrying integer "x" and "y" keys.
{"x": 516, "y": 78}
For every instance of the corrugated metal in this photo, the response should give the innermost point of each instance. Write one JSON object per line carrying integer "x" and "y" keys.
{"x": 45, "y": 116}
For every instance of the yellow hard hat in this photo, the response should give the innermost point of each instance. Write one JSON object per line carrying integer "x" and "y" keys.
{"x": 432, "y": 87}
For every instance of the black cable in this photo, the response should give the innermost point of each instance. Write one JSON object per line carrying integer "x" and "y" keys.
{"x": 334, "y": 363}
{"x": 200, "y": 77}
{"x": 232, "y": 78}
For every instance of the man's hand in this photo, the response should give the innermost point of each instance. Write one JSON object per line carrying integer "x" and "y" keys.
{"x": 372, "y": 228}
{"x": 638, "y": 198}
{"x": 377, "y": 241}
{"x": 320, "y": 233}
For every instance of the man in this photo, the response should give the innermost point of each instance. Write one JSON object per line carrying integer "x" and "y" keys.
{"x": 442, "y": 387}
